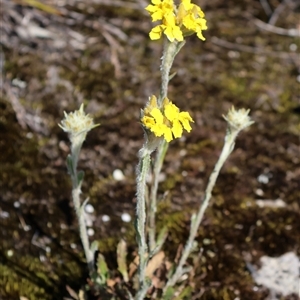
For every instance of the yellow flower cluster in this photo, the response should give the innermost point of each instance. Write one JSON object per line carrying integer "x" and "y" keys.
{"x": 168, "y": 121}
{"x": 177, "y": 22}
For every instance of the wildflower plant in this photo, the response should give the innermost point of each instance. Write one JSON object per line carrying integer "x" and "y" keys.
{"x": 77, "y": 124}
{"x": 162, "y": 121}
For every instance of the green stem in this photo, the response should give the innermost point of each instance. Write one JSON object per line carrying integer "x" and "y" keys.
{"x": 227, "y": 149}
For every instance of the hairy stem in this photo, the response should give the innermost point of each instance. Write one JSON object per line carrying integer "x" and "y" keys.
{"x": 169, "y": 53}
{"x": 142, "y": 171}
{"x": 161, "y": 153}
{"x": 82, "y": 227}
{"x": 76, "y": 191}
{"x": 227, "y": 149}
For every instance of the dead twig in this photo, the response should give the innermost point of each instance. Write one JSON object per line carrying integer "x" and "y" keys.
{"x": 256, "y": 50}
{"x": 266, "y": 6}
{"x": 139, "y": 5}
{"x": 114, "y": 58}
{"x": 16, "y": 105}
{"x": 293, "y": 32}
{"x": 280, "y": 8}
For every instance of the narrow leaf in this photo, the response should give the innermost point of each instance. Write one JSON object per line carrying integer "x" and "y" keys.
{"x": 80, "y": 176}
{"x": 70, "y": 164}
{"x": 162, "y": 236}
{"x": 121, "y": 258}
{"x": 94, "y": 246}
{"x": 102, "y": 268}
{"x": 169, "y": 293}
{"x": 160, "y": 241}
{"x": 185, "y": 294}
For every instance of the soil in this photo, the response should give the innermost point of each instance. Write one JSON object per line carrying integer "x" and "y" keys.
{"x": 55, "y": 56}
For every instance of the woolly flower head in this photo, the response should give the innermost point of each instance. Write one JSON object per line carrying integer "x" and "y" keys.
{"x": 77, "y": 122}
{"x": 167, "y": 121}
{"x": 176, "y": 21}
{"x": 238, "y": 119}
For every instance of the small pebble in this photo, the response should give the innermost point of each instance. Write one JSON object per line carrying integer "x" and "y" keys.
{"x": 19, "y": 83}
{"x": 126, "y": 217}
{"x": 29, "y": 135}
{"x": 259, "y": 192}
{"x": 4, "y": 214}
{"x": 118, "y": 175}
{"x": 63, "y": 226}
{"x": 182, "y": 152}
{"x": 90, "y": 232}
{"x": 17, "y": 204}
{"x": 293, "y": 47}
{"x": 26, "y": 227}
{"x": 262, "y": 178}
{"x": 184, "y": 173}
{"x": 73, "y": 246}
{"x": 89, "y": 208}
{"x": 206, "y": 241}
{"x": 105, "y": 218}
{"x": 233, "y": 54}
{"x": 43, "y": 258}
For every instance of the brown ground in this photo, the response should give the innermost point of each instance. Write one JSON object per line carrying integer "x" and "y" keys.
{"x": 99, "y": 53}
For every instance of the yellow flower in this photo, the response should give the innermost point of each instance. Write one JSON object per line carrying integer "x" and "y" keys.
{"x": 160, "y": 9}
{"x": 179, "y": 120}
{"x": 172, "y": 31}
{"x": 176, "y": 22}
{"x": 168, "y": 121}
{"x": 156, "y": 32}
{"x": 192, "y": 18}
{"x": 169, "y": 28}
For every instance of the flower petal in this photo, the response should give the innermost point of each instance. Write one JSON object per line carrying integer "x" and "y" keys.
{"x": 185, "y": 118}
{"x": 171, "y": 111}
{"x": 156, "y": 32}
{"x": 168, "y": 134}
{"x": 157, "y": 115}
{"x": 177, "y": 129}
{"x": 148, "y": 121}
